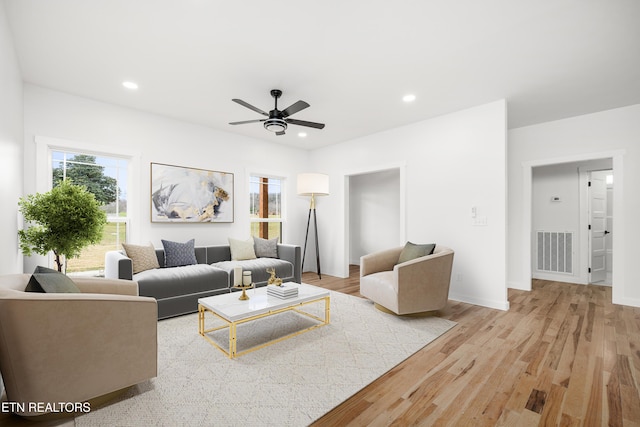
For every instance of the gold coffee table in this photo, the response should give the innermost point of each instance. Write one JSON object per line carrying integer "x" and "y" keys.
{"x": 233, "y": 312}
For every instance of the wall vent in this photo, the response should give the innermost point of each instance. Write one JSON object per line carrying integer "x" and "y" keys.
{"x": 555, "y": 251}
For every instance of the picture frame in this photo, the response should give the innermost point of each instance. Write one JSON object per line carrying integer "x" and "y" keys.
{"x": 190, "y": 195}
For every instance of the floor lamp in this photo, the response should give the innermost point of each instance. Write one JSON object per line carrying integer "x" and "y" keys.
{"x": 312, "y": 184}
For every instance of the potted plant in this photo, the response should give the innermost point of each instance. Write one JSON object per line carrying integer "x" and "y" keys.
{"x": 63, "y": 220}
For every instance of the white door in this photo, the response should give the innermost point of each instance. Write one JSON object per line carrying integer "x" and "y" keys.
{"x": 597, "y": 226}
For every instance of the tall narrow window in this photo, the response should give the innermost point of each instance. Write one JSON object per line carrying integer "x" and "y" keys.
{"x": 265, "y": 207}
{"x": 106, "y": 178}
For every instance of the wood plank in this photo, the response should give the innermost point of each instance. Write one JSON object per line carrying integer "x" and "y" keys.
{"x": 593, "y": 416}
{"x": 614, "y": 399}
{"x": 551, "y": 414}
{"x": 536, "y": 401}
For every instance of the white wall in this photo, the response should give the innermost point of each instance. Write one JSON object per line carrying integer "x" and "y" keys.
{"x": 556, "y": 181}
{"x": 11, "y": 150}
{"x": 152, "y": 138}
{"x": 453, "y": 162}
{"x": 374, "y": 211}
{"x": 613, "y": 133}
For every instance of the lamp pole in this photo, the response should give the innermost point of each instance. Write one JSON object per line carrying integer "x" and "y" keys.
{"x": 312, "y": 184}
{"x": 312, "y": 208}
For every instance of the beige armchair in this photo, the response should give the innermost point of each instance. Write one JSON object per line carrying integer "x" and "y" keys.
{"x": 415, "y": 286}
{"x": 74, "y": 347}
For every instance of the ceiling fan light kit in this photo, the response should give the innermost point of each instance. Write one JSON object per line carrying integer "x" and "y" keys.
{"x": 275, "y": 125}
{"x": 278, "y": 120}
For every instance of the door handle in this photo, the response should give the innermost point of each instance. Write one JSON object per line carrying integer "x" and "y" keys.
{"x": 606, "y": 232}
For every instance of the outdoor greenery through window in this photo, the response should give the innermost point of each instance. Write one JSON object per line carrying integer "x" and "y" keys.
{"x": 106, "y": 178}
{"x": 265, "y": 207}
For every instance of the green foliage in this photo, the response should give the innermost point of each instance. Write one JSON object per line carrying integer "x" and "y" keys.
{"x": 64, "y": 220}
{"x": 84, "y": 171}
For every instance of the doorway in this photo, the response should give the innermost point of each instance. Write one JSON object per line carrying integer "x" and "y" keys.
{"x": 571, "y": 213}
{"x": 600, "y": 215}
{"x": 375, "y": 211}
{"x": 523, "y": 280}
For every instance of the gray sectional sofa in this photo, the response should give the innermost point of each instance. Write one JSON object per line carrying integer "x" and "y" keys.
{"x": 177, "y": 289}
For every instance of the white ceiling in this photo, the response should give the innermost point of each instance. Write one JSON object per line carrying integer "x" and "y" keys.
{"x": 351, "y": 60}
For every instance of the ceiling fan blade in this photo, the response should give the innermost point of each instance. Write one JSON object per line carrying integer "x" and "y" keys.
{"x": 280, "y": 133}
{"x": 305, "y": 123}
{"x": 249, "y": 106}
{"x": 247, "y": 121}
{"x": 294, "y": 108}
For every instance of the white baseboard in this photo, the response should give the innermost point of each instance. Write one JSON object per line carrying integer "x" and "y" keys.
{"x": 328, "y": 273}
{"x": 499, "y": 305}
{"x": 632, "y": 302}
{"x": 519, "y": 285}
{"x": 559, "y": 278}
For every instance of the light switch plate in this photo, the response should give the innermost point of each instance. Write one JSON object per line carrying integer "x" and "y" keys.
{"x": 480, "y": 221}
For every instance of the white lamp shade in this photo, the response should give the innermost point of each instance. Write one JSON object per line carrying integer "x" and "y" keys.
{"x": 313, "y": 184}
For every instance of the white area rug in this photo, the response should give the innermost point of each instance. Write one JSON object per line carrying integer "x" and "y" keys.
{"x": 293, "y": 382}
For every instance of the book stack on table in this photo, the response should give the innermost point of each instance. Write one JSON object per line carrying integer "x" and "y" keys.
{"x": 287, "y": 290}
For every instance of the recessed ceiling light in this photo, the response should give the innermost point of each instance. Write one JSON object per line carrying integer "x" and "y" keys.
{"x": 409, "y": 98}
{"x": 302, "y": 134}
{"x": 130, "y": 85}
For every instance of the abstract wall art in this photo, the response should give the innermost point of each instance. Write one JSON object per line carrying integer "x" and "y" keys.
{"x": 182, "y": 194}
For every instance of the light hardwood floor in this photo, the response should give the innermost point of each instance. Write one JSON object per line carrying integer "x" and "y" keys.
{"x": 563, "y": 354}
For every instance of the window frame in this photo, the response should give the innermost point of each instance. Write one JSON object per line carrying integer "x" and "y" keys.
{"x": 45, "y": 146}
{"x": 284, "y": 179}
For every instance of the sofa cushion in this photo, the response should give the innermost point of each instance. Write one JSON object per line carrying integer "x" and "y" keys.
{"x": 179, "y": 254}
{"x": 241, "y": 249}
{"x": 142, "y": 257}
{"x": 413, "y": 251}
{"x": 176, "y": 281}
{"x": 266, "y": 248}
{"x": 258, "y": 268}
{"x": 47, "y": 280}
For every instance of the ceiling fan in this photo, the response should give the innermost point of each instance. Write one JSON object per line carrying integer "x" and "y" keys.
{"x": 278, "y": 120}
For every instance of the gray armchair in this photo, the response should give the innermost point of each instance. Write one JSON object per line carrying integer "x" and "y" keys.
{"x": 74, "y": 347}
{"x": 415, "y": 286}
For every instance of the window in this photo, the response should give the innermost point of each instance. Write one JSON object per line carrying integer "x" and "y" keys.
{"x": 106, "y": 178}
{"x": 265, "y": 207}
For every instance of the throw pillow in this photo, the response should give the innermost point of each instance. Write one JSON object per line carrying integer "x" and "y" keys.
{"x": 266, "y": 248}
{"x": 413, "y": 251}
{"x": 47, "y": 280}
{"x": 241, "y": 249}
{"x": 142, "y": 257}
{"x": 178, "y": 254}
